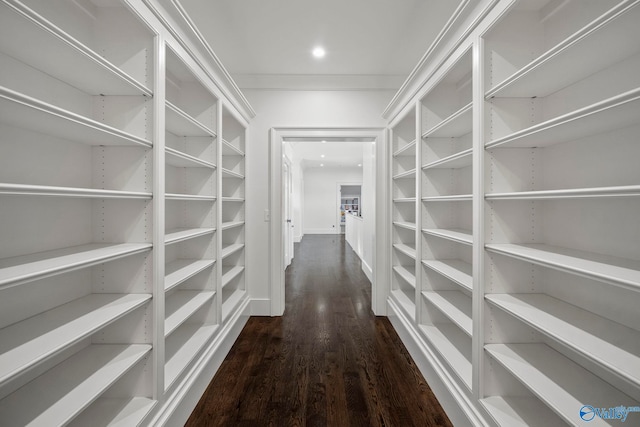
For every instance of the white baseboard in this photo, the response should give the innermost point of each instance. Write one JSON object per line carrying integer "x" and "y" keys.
{"x": 459, "y": 408}
{"x": 261, "y": 307}
{"x": 177, "y": 405}
{"x": 298, "y": 239}
{"x": 368, "y": 271}
{"x": 321, "y": 231}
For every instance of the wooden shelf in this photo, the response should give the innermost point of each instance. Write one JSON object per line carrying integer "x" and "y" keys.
{"x": 181, "y": 270}
{"x": 573, "y": 59}
{"x": 558, "y": 382}
{"x": 81, "y": 67}
{"x": 406, "y": 304}
{"x": 90, "y": 193}
{"x": 455, "y": 270}
{"x": 57, "y": 396}
{"x": 613, "y": 270}
{"x": 226, "y": 173}
{"x": 25, "y": 344}
{"x": 454, "y": 348}
{"x": 229, "y": 149}
{"x": 111, "y": 412}
{"x": 405, "y": 249}
{"x": 231, "y": 303}
{"x": 452, "y": 198}
{"x": 406, "y": 225}
{"x": 455, "y": 161}
{"x": 455, "y": 305}
{"x": 406, "y": 175}
{"x": 608, "y": 344}
{"x": 180, "y": 123}
{"x": 455, "y": 235}
{"x": 230, "y": 272}
{"x": 454, "y": 126}
{"x": 183, "y": 346}
{"x": 181, "y": 305}
{"x": 406, "y": 150}
{"x": 23, "y": 111}
{"x": 406, "y": 275}
{"x": 183, "y": 160}
{"x": 519, "y": 412}
{"x": 17, "y": 270}
{"x": 575, "y": 193}
{"x": 613, "y": 113}
{"x": 231, "y": 224}
{"x": 230, "y": 249}
{"x": 182, "y": 234}
{"x": 188, "y": 197}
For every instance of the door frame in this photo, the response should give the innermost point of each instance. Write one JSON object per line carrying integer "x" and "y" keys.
{"x": 381, "y": 251}
{"x": 287, "y": 212}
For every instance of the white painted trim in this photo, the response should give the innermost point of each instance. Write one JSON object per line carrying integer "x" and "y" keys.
{"x": 321, "y": 231}
{"x": 459, "y": 408}
{"x": 368, "y": 271}
{"x": 380, "y": 287}
{"x": 260, "y": 307}
{"x": 178, "y": 404}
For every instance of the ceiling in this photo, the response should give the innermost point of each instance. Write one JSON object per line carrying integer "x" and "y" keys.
{"x": 265, "y": 41}
{"x": 336, "y": 153}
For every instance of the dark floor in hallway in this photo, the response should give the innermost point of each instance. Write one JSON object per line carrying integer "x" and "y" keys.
{"x": 327, "y": 362}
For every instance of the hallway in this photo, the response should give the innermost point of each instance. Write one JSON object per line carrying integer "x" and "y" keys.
{"x": 327, "y": 362}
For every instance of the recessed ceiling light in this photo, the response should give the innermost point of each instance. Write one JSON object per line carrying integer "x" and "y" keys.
{"x": 324, "y": 142}
{"x": 360, "y": 164}
{"x": 318, "y": 52}
{"x": 322, "y": 155}
{"x": 321, "y": 164}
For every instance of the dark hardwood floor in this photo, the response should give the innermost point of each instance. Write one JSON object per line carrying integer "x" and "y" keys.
{"x": 327, "y": 362}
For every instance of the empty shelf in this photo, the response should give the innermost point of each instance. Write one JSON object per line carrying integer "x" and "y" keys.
{"x": 408, "y": 276}
{"x": 81, "y": 67}
{"x": 183, "y": 160}
{"x": 519, "y": 412}
{"x": 183, "y": 346}
{"x": 112, "y": 412}
{"x": 232, "y": 224}
{"x": 233, "y": 199}
{"x": 229, "y": 149}
{"x": 406, "y": 175}
{"x": 226, "y": 173}
{"x": 406, "y": 304}
{"x": 454, "y": 126}
{"x": 405, "y": 249}
{"x": 459, "y": 160}
{"x": 230, "y": 272}
{"x": 181, "y": 234}
{"x": 455, "y": 270}
{"x": 617, "y": 271}
{"x": 407, "y": 225}
{"x": 455, "y": 305}
{"x": 452, "y": 198}
{"x": 31, "y": 341}
{"x": 609, "y": 344}
{"x": 575, "y": 193}
{"x": 23, "y": 111}
{"x": 181, "y": 305}
{"x": 180, "y": 123}
{"x": 230, "y": 249}
{"x": 454, "y": 348}
{"x": 407, "y": 150}
{"x": 455, "y": 235}
{"x": 181, "y": 270}
{"x": 560, "y": 383}
{"x": 404, "y": 200}
{"x": 229, "y": 305}
{"x": 45, "y": 190}
{"x": 189, "y": 197}
{"x": 21, "y": 269}
{"x": 57, "y": 396}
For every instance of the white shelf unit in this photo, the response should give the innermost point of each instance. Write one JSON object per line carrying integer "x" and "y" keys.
{"x": 191, "y": 150}
{"x": 446, "y": 216}
{"x": 562, "y": 257}
{"x": 233, "y": 281}
{"x": 76, "y": 264}
{"x": 404, "y": 227}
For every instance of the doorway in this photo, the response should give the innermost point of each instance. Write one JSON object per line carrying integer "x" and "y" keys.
{"x": 378, "y": 274}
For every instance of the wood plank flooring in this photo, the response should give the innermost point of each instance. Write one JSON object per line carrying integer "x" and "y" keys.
{"x": 327, "y": 362}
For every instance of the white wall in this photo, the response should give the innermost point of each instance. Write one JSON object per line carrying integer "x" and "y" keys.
{"x": 310, "y": 109}
{"x": 297, "y": 192}
{"x": 368, "y": 206}
{"x": 321, "y": 197}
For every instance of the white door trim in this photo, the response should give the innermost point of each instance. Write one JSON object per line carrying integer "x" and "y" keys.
{"x": 381, "y": 255}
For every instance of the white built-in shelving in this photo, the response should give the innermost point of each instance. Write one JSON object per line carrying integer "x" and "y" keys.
{"x": 110, "y": 199}
{"x": 528, "y": 200}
